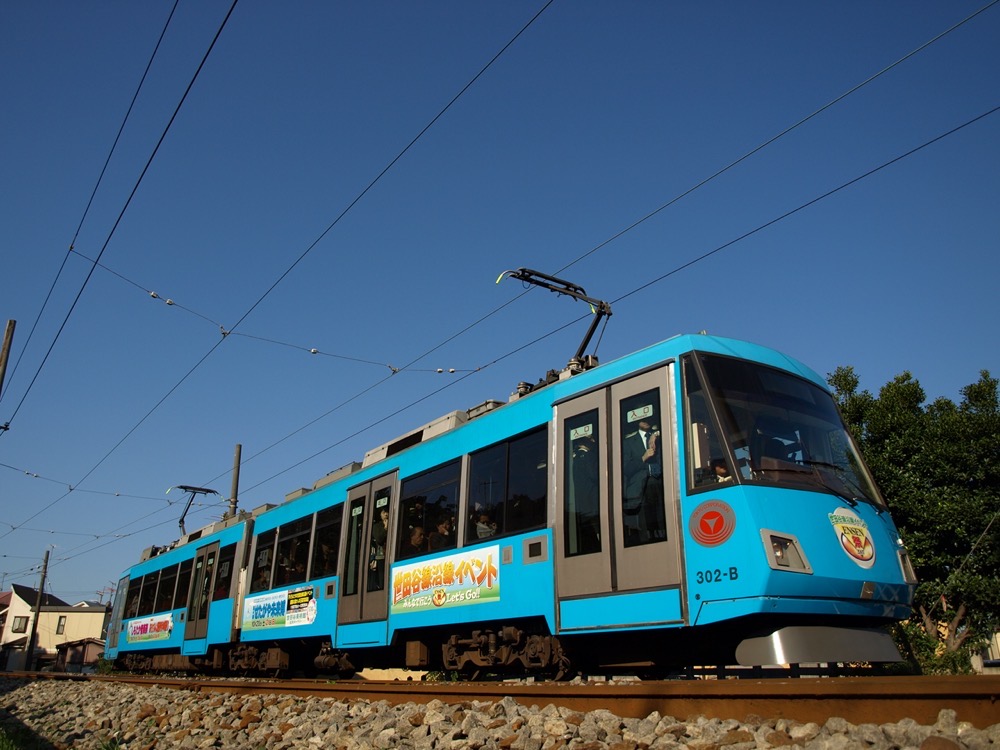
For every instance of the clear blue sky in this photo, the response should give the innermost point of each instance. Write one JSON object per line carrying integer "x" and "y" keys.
{"x": 597, "y": 115}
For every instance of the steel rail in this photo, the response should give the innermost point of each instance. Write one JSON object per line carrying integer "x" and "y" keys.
{"x": 859, "y": 700}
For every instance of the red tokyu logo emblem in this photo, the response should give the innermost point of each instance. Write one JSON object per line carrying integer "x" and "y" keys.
{"x": 854, "y": 537}
{"x": 712, "y": 523}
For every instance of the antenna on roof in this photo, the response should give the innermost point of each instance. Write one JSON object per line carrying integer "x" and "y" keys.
{"x": 600, "y": 308}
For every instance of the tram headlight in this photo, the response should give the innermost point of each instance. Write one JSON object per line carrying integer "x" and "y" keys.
{"x": 780, "y": 547}
{"x": 784, "y": 552}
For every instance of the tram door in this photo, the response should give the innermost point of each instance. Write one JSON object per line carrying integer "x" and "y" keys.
{"x": 201, "y": 592}
{"x": 616, "y": 525}
{"x": 364, "y": 579}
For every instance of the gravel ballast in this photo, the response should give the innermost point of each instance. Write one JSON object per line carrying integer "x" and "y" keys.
{"x": 106, "y": 715}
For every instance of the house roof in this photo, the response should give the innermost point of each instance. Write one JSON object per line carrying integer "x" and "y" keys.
{"x": 81, "y": 642}
{"x": 93, "y": 611}
{"x": 4, "y": 599}
{"x": 30, "y": 596}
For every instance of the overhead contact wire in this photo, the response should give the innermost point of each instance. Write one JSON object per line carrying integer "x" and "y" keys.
{"x": 100, "y": 179}
{"x": 103, "y": 248}
{"x": 121, "y": 214}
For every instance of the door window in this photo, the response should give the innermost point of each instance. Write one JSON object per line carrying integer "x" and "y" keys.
{"x": 642, "y": 470}
{"x": 379, "y": 540}
{"x": 581, "y": 479}
{"x": 355, "y": 532}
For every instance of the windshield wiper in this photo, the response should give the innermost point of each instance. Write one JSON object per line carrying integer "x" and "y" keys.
{"x": 815, "y": 478}
{"x": 852, "y": 501}
{"x": 842, "y": 475}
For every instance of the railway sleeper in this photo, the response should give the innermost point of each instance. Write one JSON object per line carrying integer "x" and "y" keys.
{"x": 504, "y": 648}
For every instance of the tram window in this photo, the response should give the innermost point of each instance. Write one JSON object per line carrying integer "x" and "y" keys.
{"x": 183, "y": 584}
{"x": 644, "y": 516}
{"x": 224, "y": 574}
{"x": 293, "y": 551}
{"x": 165, "y": 594}
{"x": 581, "y": 478}
{"x": 487, "y": 490}
{"x": 263, "y": 557}
{"x": 427, "y": 511}
{"x": 527, "y": 482}
{"x": 707, "y": 462}
{"x": 132, "y": 599}
{"x": 507, "y": 487}
{"x": 147, "y": 599}
{"x": 327, "y": 543}
{"x": 782, "y": 429}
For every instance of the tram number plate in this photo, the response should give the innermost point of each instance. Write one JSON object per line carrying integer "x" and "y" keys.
{"x": 717, "y": 575}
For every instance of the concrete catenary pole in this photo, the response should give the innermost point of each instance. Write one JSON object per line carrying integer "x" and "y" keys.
{"x": 234, "y": 494}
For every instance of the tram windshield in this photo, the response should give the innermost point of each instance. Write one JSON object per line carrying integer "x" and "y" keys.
{"x": 749, "y": 423}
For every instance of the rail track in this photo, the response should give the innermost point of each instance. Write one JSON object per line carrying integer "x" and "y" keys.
{"x": 860, "y": 700}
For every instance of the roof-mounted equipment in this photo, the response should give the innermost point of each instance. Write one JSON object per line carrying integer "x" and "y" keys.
{"x": 600, "y": 308}
{"x": 193, "y": 491}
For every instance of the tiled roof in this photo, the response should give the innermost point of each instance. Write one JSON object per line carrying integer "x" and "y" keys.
{"x": 30, "y": 595}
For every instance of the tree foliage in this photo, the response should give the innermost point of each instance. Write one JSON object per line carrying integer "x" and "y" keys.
{"x": 938, "y": 465}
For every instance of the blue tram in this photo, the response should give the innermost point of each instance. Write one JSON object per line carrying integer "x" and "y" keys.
{"x": 697, "y": 502}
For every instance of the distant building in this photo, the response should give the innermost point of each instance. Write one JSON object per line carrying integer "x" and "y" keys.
{"x": 79, "y": 656}
{"x": 58, "y": 623}
{"x": 987, "y": 661}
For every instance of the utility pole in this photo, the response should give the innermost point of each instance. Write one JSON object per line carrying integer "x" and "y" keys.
{"x": 8, "y": 338}
{"x": 236, "y": 482}
{"x": 30, "y": 661}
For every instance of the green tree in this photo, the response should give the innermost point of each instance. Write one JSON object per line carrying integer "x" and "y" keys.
{"x": 938, "y": 465}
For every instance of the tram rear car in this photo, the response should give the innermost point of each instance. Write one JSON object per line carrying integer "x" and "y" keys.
{"x": 176, "y": 609}
{"x": 697, "y": 502}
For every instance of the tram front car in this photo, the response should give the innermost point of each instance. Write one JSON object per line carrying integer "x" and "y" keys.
{"x": 773, "y": 475}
